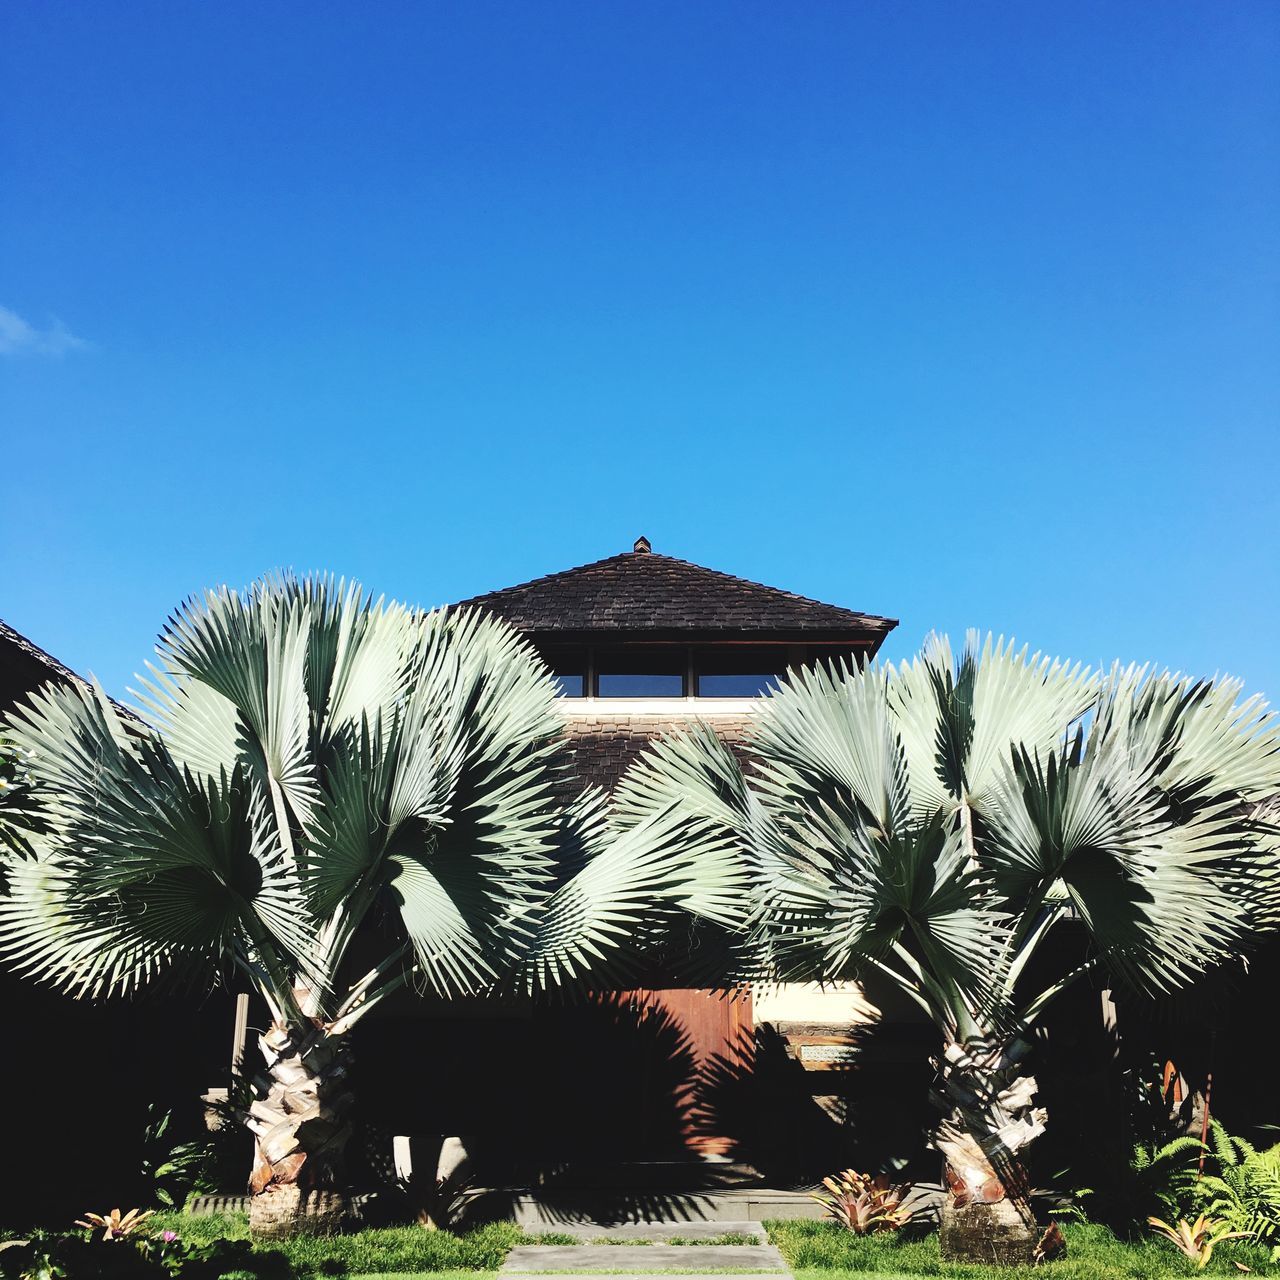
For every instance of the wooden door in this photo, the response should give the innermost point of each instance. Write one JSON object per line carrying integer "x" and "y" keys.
{"x": 715, "y": 1037}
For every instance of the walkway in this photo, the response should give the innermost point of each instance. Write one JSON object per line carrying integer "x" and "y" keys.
{"x": 644, "y": 1249}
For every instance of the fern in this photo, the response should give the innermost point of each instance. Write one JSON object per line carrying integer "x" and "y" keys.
{"x": 1170, "y": 1177}
{"x": 1251, "y": 1179}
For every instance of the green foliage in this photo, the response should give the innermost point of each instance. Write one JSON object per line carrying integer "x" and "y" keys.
{"x": 1167, "y": 1181}
{"x": 404, "y": 1249}
{"x": 1197, "y": 1240}
{"x": 1250, "y": 1187}
{"x": 932, "y": 823}
{"x": 1181, "y": 1178}
{"x": 863, "y": 1204}
{"x": 61, "y": 1256}
{"x": 172, "y": 1169}
{"x": 215, "y": 1246}
{"x": 312, "y": 754}
{"x": 386, "y": 1249}
{"x": 823, "y": 1251}
{"x": 22, "y": 818}
{"x": 727, "y": 1237}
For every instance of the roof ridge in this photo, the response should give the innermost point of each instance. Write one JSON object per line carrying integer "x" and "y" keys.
{"x": 561, "y": 575}
{"x": 764, "y": 586}
{"x": 30, "y": 647}
{"x": 60, "y": 670}
{"x": 558, "y": 575}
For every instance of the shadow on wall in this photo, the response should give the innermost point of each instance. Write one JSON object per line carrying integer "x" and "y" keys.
{"x": 612, "y": 1093}
{"x": 795, "y": 1125}
{"x": 570, "y": 1084}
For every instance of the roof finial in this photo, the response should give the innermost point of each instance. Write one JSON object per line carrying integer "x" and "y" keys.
{"x": 642, "y": 546}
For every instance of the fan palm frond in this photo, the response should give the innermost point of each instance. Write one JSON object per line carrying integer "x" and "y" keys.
{"x": 314, "y": 753}
{"x": 941, "y": 815}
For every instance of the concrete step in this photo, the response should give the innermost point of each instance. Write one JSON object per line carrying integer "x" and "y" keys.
{"x": 674, "y": 1175}
{"x": 548, "y": 1210}
{"x": 662, "y": 1231}
{"x": 543, "y": 1259}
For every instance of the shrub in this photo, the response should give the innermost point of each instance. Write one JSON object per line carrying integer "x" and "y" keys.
{"x": 1250, "y": 1180}
{"x": 863, "y": 1204}
{"x": 1196, "y": 1240}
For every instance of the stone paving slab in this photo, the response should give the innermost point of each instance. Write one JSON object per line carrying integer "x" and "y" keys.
{"x": 543, "y": 1259}
{"x": 551, "y": 1210}
{"x": 660, "y": 1230}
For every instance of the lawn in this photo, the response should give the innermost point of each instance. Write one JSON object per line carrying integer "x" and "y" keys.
{"x": 822, "y": 1251}
{"x": 386, "y": 1250}
{"x": 816, "y": 1251}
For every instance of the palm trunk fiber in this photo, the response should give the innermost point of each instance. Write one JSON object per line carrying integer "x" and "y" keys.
{"x": 990, "y": 1121}
{"x": 300, "y": 1125}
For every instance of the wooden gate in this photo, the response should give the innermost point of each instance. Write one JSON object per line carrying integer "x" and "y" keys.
{"x": 715, "y": 1041}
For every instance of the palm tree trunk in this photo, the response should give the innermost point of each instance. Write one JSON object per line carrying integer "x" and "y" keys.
{"x": 989, "y": 1122}
{"x": 300, "y": 1124}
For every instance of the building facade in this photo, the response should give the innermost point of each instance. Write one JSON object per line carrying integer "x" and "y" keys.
{"x": 642, "y": 644}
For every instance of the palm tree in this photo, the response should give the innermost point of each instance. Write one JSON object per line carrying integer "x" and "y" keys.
{"x": 20, "y": 816}
{"x": 315, "y": 767}
{"x": 934, "y": 823}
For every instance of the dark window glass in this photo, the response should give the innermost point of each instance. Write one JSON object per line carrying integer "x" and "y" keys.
{"x": 735, "y": 685}
{"x": 641, "y": 673}
{"x": 844, "y": 659}
{"x": 641, "y": 684}
{"x": 739, "y": 671}
{"x": 568, "y": 685}
{"x": 567, "y": 665}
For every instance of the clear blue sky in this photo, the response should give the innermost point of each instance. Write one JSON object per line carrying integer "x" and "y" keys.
{"x": 963, "y": 313}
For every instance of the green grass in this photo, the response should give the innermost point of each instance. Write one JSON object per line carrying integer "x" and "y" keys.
{"x": 409, "y": 1275}
{"x": 815, "y": 1250}
{"x": 823, "y": 1251}
{"x": 728, "y": 1237}
{"x": 375, "y": 1251}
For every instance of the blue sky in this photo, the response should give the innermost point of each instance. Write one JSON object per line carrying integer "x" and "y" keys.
{"x": 965, "y": 314}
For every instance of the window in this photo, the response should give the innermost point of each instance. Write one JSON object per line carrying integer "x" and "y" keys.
{"x": 739, "y": 671}
{"x": 568, "y": 670}
{"x": 736, "y": 685}
{"x": 713, "y": 670}
{"x": 641, "y": 684}
{"x": 644, "y": 673}
{"x": 569, "y": 684}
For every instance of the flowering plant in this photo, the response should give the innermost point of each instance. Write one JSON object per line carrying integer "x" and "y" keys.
{"x": 864, "y": 1204}
{"x": 115, "y": 1225}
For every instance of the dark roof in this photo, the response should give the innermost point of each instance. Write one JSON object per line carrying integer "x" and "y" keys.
{"x": 641, "y": 591}
{"x": 24, "y": 667}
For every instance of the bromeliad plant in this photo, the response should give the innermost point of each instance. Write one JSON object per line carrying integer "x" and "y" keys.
{"x": 115, "y": 1225}
{"x": 863, "y": 1204}
{"x": 317, "y": 768}
{"x": 934, "y": 823}
{"x": 1196, "y": 1240}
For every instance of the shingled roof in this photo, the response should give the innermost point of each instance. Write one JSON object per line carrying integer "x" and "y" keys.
{"x": 643, "y": 592}
{"x": 25, "y": 667}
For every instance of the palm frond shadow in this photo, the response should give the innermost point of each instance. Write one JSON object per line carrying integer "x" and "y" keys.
{"x": 589, "y": 1103}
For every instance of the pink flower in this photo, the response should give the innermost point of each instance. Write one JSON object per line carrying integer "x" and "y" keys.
{"x": 168, "y": 1236}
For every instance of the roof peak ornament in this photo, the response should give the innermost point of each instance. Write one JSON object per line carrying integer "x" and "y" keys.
{"x": 642, "y": 546}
